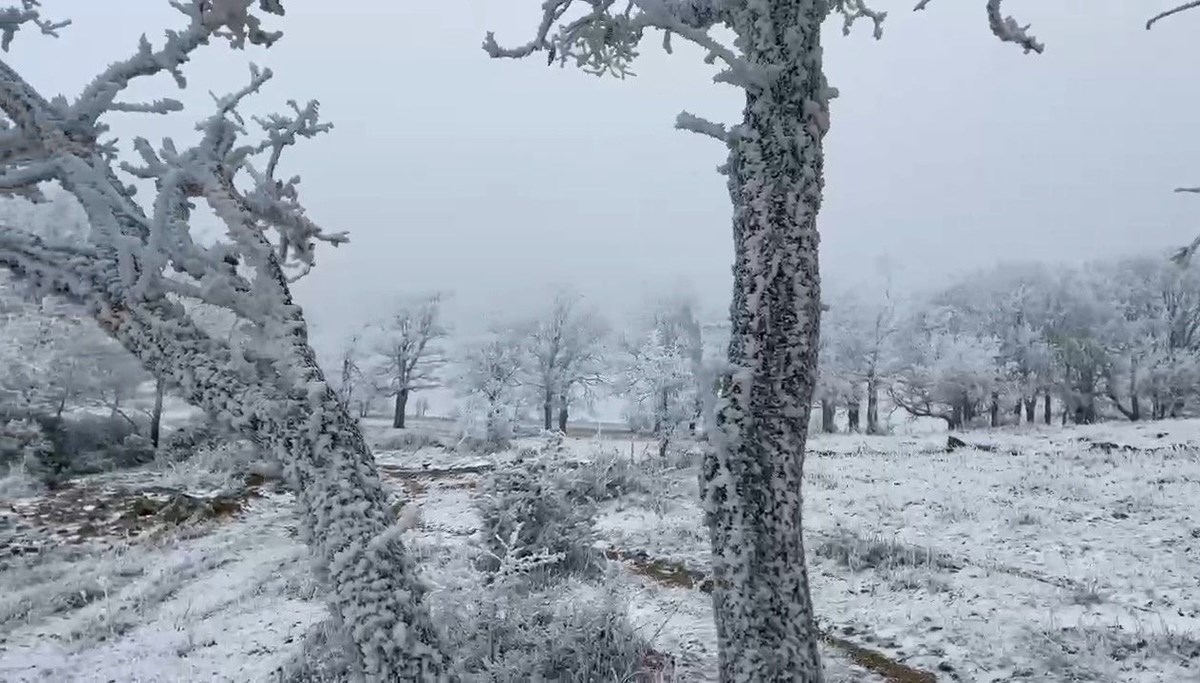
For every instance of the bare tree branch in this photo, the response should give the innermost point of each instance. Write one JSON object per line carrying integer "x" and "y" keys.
{"x": 1171, "y": 12}
{"x": 1008, "y": 30}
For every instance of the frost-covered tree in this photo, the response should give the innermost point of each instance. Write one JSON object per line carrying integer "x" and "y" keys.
{"x": 657, "y": 379}
{"x": 408, "y": 350}
{"x": 565, "y": 360}
{"x": 491, "y": 373}
{"x": 1152, "y": 337}
{"x": 142, "y": 263}
{"x": 752, "y": 480}
{"x": 946, "y": 371}
{"x": 1010, "y": 303}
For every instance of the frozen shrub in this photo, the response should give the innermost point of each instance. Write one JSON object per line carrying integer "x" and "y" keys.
{"x": 407, "y": 441}
{"x": 564, "y": 632}
{"x": 607, "y": 476}
{"x": 23, "y": 444}
{"x": 321, "y": 659}
{"x": 185, "y": 441}
{"x": 229, "y": 465}
{"x": 528, "y": 509}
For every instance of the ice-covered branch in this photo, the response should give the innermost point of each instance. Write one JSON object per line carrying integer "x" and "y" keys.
{"x": 206, "y": 18}
{"x": 603, "y": 40}
{"x": 13, "y": 19}
{"x": 1171, "y": 12}
{"x": 23, "y": 179}
{"x": 1008, "y": 30}
{"x": 696, "y": 124}
{"x": 161, "y": 106}
{"x": 854, "y": 10}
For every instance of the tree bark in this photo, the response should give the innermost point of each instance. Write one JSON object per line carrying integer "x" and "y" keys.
{"x": 994, "y": 418}
{"x": 400, "y": 409}
{"x": 547, "y": 410}
{"x": 1048, "y": 411}
{"x": 562, "y": 414}
{"x": 306, "y": 427}
{"x": 1031, "y": 409}
{"x": 752, "y": 476}
{"x": 828, "y": 415}
{"x": 872, "y": 406}
{"x": 852, "y": 419}
{"x": 160, "y": 388}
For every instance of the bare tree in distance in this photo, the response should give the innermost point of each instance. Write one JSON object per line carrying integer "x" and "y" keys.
{"x": 564, "y": 347}
{"x": 141, "y": 264}
{"x": 410, "y": 355}
{"x": 752, "y": 476}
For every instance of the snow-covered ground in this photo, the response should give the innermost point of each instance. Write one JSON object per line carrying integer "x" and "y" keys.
{"x": 1055, "y": 555}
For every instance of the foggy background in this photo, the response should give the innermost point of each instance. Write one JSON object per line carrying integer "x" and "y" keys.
{"x": 497, "y": 179}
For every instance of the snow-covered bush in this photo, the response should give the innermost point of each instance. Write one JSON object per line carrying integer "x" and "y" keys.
{"x": 21, "y": 439}
{"x": 607, "y": 475}
{"x": 23, "y": 451}
{"x": 528, "y": 509}
{"x": 407, "y": 441}
{"x": 87, "y": 444}
{"x": 568, "y": 631}
{"x": 187, "y": 440}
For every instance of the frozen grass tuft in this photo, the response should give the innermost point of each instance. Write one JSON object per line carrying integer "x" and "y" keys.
{"x": 858, "y": 554}
{"x": 18, "y": 482}
{"x": 1107, "y": 653}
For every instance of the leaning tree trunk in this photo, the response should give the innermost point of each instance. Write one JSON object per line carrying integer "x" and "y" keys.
{"x": 293, "y": 416}
{"x": 752, "y": 477}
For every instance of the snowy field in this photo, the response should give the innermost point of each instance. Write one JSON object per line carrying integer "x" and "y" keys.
{"x": 1065, "y": 555}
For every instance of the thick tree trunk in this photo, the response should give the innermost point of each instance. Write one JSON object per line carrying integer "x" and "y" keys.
{"x": 828, "y": 415}
{"x": 307, "y": 428}
{"x": 287, "y": 408}
{"x": 400, "y": 409}
{"x": 160, "y": 389}
{"x": 1031, "y": 410}
{"x": 994, "y": 418}
{"x": 547, "y": 410}
{"x": 563, "y": 414}
{"x": 853, "y": 422}
{"x": 872, "y": 406}
{"x": 1135, "y": 408}
{"x": 752, "y": 477}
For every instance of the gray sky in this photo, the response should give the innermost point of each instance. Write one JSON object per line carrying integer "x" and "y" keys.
{"x": 948, "y": 150}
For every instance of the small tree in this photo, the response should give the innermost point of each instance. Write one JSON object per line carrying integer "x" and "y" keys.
{"x": 659, "y": 382}
{"x": 491, "y": 371}
{"x": 408, "y": 350}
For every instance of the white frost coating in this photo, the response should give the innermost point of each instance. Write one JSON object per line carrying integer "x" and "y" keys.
{"x": 140, "y": 262}
{"x": 696, "y": 124}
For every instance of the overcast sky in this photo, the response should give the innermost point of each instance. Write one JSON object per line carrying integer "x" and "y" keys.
{"x": 498, "y": 179}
